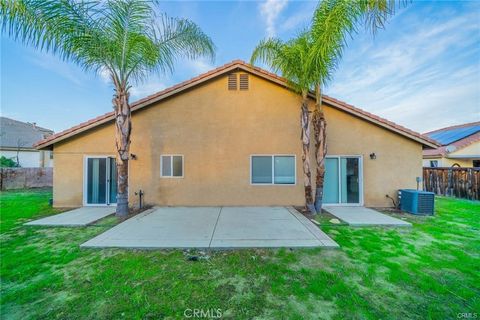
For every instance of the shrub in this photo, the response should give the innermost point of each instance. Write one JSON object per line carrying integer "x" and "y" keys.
{"x": 6, "y": 162}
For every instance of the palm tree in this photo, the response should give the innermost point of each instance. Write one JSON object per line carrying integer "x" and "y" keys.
{"x": 290, "y": 59}
{"x": 128, "y": 39}
{"x": 308, "y": 61}
{"x": 333, "y": 22}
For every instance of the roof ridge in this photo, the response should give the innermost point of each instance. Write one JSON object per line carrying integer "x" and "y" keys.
{"x": 456, "y": 126}
{"x": 28, "y": 124}
{"x": 381, "y": 119}
{"x": 249, "y": 68}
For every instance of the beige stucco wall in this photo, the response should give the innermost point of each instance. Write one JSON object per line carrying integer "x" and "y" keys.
{"x": 217, "y": 130}
{"x": 446, "y": 162}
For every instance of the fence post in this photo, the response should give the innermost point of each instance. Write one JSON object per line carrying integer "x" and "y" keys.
{"x": 453, "y": 182}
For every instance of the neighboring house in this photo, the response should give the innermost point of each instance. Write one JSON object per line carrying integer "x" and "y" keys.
{"x": 460, "y": 146}
{"x": 231, "y": 137}
{"x": 16, "y": 142}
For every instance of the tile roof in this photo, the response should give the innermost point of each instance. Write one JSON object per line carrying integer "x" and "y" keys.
{"x": 234, "y": 65}
{"x": 18, "y": 134}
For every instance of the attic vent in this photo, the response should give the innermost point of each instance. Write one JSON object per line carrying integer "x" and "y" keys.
{"x": 232, "y": 81}
{"x": 243, "y": 81}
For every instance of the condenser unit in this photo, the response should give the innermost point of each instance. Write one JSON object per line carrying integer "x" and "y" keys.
{"x": 417, "y": 201}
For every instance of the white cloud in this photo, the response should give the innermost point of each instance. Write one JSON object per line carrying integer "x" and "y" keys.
{"x": 199, "y": 66}
{"x": 423, "y": 78}
{"x": 142, "y": 90}
{"x": 270, "y": 10}
{"x": 64, "y": 69}
{"x": 299, "y": 19}
{"x": 184, "y": 69}
{"x": 104, "y": 75}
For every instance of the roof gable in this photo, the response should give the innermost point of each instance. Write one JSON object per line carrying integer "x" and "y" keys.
{"x": 225, "y": 69}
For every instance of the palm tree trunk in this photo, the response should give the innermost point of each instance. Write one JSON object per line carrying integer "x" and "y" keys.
{"x": 123, "y": 128}
{"x": 305, "y": 137}
{"x": 320, "y": 136}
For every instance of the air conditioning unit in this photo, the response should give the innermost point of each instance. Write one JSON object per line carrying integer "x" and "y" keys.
{"x": 417, "y": 201}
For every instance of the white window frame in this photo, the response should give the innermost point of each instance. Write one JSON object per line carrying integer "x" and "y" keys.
{"x": 85, "y": 181}
{"x": 171, "y": 168}
{"x": 273, "y": 170}
{"x": 360, "y": 182}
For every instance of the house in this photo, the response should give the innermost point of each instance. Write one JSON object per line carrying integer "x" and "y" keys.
{"x": 16, "y": 142}
{"x": 231, "y": 137}
{"x": 460, "y": 146}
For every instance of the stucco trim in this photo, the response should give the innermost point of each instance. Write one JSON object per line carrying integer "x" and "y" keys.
{"x": 464, "y": 156}
{"x": 236, "y": 65}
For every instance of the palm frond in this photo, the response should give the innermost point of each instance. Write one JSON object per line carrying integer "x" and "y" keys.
{"x": 334, "y": 22}
{"x": 269, "y": 51}
{"x": 125, "y": 37}
{"x": 377, "y": 12}
{"x": 286, "y": 58}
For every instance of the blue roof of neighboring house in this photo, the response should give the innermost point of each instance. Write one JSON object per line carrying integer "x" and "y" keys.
{"x": 449, "y": 135}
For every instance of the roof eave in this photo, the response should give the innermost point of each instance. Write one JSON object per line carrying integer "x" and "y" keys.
{"x": 234, "y": 65}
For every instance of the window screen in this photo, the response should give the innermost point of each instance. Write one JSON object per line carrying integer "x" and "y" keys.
{"x": 284, "y": 169}
{"x": 177, "y": 166}
{"x": 261, "y": 169}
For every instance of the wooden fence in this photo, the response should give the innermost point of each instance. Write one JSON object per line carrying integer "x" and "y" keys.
{"x": 453, "y": 182}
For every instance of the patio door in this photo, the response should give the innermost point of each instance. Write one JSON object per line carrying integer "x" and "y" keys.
{"x": 343, "y": 180}
{"x": 100, "y": 181}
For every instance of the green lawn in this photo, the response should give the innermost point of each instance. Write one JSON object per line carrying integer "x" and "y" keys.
{"x": 429, "y": 271}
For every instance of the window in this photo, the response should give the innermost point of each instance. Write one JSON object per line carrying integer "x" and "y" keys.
{"x": 51, "y": 155}
{"x": 476, "y": 163}
{"x": 433, "y": 163}
{"x": 273, "y": 169}
{"x": 171, "y": 166}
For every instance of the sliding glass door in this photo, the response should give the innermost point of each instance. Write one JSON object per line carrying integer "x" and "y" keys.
{"x": 101, "y": 181}
{"x": 342, "y": 180}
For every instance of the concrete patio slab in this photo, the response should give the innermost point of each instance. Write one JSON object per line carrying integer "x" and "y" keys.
{"x": 214, "y": 227}
{"x": 176, "y": 227}
{"x": 361, "y": 216}
{"x": 74, "y": 218}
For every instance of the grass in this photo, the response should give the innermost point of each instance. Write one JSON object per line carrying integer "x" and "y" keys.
{"x": 430, "y": 271}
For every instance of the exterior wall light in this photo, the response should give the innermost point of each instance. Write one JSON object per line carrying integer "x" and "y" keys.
{"x": 133, "y": 156}
{"x": 373, "y": 156}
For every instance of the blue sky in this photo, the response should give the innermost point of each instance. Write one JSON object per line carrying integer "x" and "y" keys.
{"x": 422, "y": 71}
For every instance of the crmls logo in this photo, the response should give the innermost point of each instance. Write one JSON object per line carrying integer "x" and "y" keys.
{"x": 202, "y": 313}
